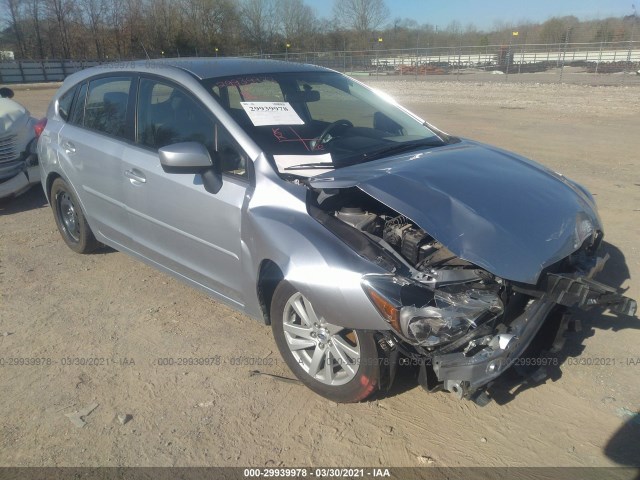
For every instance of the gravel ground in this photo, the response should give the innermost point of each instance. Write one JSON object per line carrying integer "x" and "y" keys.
{"x": 56, "y": 305}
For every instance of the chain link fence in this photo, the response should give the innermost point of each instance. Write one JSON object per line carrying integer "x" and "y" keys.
{"x": 592, "y": 63}
{"x": 605, "y": 63}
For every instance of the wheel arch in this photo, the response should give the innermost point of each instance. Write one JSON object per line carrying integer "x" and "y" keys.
{"x": 269, "y": 276}
{"x": 50, "y": 179}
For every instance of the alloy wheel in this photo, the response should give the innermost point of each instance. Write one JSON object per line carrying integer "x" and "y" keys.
{"x": 328, "y": 353}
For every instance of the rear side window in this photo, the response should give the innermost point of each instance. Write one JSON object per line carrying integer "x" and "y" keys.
{"x": 106, "y": 106}
{"x": 64, "y": 104}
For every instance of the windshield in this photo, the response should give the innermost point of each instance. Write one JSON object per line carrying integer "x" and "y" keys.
{"x": 313, "y": 122}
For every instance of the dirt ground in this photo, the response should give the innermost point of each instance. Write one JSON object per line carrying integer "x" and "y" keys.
{"x": 58, "y": 305}
{"x": 568, "y": 75}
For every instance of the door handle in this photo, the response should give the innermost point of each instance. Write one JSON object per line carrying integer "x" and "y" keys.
{"x": 68, "y": 146}
{"x": 135, "y": 176}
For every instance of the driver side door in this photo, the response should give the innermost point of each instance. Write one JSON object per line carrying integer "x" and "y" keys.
{"x": 174, "y": 222}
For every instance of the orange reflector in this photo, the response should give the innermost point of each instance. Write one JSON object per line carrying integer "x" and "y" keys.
{"x": 386, "y": 309}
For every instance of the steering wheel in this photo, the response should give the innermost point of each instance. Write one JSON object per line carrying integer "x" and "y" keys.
{"x": 321, "y": 138}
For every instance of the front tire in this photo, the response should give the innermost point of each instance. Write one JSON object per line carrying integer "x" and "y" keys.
{"x": 70, "y": 218}
{"x": 337, "y": 363}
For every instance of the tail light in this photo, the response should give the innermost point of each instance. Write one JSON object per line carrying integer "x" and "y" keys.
{"x": 39, "y": 127}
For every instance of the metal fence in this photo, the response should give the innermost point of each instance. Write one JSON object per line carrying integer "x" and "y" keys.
{"x": 36, "y": 71}
{"x": 465, "y": 61}
{"x": 460, "y": 61}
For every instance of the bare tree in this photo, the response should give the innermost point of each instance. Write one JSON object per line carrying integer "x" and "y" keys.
{"x": 136, "y": 28}
{"x": 35, "y": 12}
{"x": 163, "y": 24}
{"x": 121, "y": 29}
{"x": 297, "y": 20}
{"x": 116, "y": 31}
{"x": 210, "y": 22}
{"x": 60, "y": 11}
{"x": 555, "y": 29}
{"x": 94, "y": 12}
{"x": 13, "y": 6}
{"x": 364, "y": 16}
{"x": 259, "y": 21}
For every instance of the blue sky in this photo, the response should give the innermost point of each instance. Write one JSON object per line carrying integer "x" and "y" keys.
{"x": 483, "y": 13}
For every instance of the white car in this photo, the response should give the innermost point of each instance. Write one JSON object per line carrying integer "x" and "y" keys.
{"x": 19, "y": 133}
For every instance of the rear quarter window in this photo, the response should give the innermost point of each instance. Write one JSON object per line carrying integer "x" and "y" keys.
{"x": 77, "y": 110}
{"x": 65, "y": 102}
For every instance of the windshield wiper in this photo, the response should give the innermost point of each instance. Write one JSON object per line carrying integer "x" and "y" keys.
{"x": 399, "y": 148}
{"x": 390, "y": 149}
{"x": 306, "y": 166}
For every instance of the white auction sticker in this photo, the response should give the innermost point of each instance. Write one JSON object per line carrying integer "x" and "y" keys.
{"x": 271, "y": 113}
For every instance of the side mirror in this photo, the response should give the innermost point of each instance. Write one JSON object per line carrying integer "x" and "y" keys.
{"x": 6, "y": 92}
{"x": 187, "y": 157}
{"x": 191, "y": 157}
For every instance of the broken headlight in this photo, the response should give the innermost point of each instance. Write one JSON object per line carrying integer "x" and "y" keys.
{"x": 440, "y": 317}
{"x": 450, "y": 316}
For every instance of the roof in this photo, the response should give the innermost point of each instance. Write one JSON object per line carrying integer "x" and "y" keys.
{"x": 193, "y": 67}
{"x": 222, "y": 67}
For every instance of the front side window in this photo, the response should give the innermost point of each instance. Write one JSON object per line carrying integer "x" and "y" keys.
{"x": 106, "y": 105}
{"x": 320, "y": 118}
{"x": 167, "y": 115}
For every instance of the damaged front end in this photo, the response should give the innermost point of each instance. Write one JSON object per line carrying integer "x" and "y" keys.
{"x": 461, "y": 323}
{"x": 18, "y": 155}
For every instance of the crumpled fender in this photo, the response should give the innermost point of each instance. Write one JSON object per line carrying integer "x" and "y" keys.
{"x": 277, "y": 227}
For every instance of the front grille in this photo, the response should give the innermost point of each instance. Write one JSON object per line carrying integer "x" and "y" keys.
{"x": 8, "y": 148}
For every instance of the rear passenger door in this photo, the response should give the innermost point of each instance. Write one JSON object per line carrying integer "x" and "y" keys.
{"x": 175, "y": 222}
{"x": 91, "y": 145}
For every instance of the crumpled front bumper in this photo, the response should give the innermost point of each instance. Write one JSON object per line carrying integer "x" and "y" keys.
{"x": 22, "y": 181}
{"x": 463, "y": 373}
{"x": 14, "y": 186}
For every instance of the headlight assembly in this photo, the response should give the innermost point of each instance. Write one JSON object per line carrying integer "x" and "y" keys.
{"x": 429, "y": 317}
{"x": 451, "y": 317}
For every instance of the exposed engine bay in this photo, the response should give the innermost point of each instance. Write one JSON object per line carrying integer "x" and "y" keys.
{"x": 443, "y": 308}
{"x": 461, "y": 295}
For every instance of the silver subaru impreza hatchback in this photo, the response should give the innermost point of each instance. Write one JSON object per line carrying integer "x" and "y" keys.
{"x": 362, "y": 234}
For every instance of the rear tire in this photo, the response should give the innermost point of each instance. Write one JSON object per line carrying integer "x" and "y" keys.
{"x": 337, "y": 363}
{"x": 70, "y": 218}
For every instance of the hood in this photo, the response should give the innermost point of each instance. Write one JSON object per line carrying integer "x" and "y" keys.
{"x": 12, "y": 115}
{"x": 502, "y": 212}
